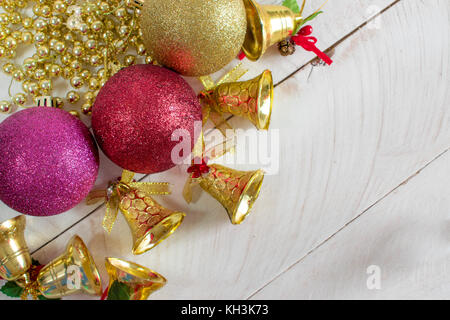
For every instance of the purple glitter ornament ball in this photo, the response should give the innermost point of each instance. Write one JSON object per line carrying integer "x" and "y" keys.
{"x": 48, "y": 161}
{"x": 137, "y": 111}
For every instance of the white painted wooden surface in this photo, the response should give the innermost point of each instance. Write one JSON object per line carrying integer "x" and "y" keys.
{"x": 404, "y": 238}
{"x": 350, "y": 135}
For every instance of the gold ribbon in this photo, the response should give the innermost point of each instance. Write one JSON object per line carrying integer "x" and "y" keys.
{"x": 118, "y": 189}
{"x": 210, "y": 112}
{"x": 188, "y": 189}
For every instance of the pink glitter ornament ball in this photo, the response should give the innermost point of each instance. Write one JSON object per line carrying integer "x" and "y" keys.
{"x": 48, "y": 161}
{"x": 137, "y": 111}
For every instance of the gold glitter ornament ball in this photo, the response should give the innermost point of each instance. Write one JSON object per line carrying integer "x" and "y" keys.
{"x": 193, "y": 37}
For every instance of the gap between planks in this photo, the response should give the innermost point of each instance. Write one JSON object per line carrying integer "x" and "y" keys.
{"x": 337, "y": 43}
{"x": 403, "y": 183}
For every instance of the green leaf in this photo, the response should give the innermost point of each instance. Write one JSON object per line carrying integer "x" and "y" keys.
{"x": 12, "y": 289}
{"x": 307, "y": 19}
{"x": 292, "y": 4}
{"x": 41, "y": 297}
{"x": 119, "y": 291}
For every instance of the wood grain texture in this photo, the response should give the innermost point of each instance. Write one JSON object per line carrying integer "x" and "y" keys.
{"x": 406, "y": 236}
{"x": 349, "y": 135}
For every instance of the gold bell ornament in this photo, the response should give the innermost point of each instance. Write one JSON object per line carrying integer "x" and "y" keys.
{"x": 72, "y": 272}
{"x": 130, "y": 281}
{"x": 252, "y": 99}
{"x": 271, "y": 24}
{"x": 193, "y": 37}
{"x": 236, "y": 190}
{"x": 266, "y": 26}
{"x": 150, "y": 223}
{"x": 15, "y": 259}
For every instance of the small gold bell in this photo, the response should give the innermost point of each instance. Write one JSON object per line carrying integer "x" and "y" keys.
{"x": 150, "y": 223}
{"x": 140, "y": 280}
{"x": 15, "y": 259}
{"x": 266, "y": 26}
{"x": 236, "y": 190}
{"x": 72, "y": 272}
{"x": 252, "y": 99}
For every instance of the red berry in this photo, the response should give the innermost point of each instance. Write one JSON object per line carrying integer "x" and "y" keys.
{"x": 306, "y": 31}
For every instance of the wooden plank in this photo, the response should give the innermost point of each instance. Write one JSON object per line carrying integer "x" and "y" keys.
{"x": 339, "y": 19}
{"x": 396, "y": 250}
{"x": 349, "y": 135}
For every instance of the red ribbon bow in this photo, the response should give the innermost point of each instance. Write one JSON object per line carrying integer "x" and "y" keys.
{"x": 303, "y": 39}
{"x": 198, "y": 169}
{"x": 241, "y": 55}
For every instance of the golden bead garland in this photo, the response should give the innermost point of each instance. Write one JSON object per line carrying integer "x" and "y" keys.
{"x": 81, "y": 42}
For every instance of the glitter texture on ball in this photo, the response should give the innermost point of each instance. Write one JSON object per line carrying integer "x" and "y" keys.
{"x": 48, "y": 161}
{"x": 193, "y": 37}
{"x": 137, "y": 111}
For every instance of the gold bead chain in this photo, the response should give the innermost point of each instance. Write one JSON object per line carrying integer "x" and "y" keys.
{"x": 80, "y": 43}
